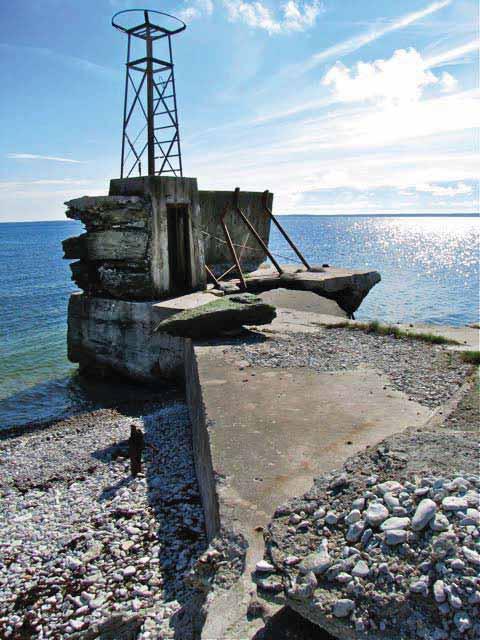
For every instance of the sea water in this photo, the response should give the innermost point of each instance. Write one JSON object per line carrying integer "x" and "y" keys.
{"x": 429, "y": 268}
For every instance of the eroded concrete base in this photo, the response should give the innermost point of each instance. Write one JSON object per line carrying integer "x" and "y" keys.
{"x": 118, "y": 336}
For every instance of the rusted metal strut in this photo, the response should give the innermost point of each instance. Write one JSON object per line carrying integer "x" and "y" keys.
{"x": 268, "y": 211}
{"x": 256, "y": 235}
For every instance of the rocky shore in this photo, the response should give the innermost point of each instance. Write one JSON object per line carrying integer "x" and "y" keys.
{"x": 83, "y": 543}
{"x": 87, "y": 549}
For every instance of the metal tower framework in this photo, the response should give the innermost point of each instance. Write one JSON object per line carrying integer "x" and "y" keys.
{"x": 150, "y": 116}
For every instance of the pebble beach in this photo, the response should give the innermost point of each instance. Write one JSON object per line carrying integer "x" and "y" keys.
{"x": 85, "y": 544}
{"x": 82, "y": 541}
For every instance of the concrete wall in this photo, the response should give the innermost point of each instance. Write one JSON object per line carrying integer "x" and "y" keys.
{"x": 118, "y": 336}
{"x": 201, "y": 444}
{"x": 213, "y": 204}
{"x": 163, "y": 191}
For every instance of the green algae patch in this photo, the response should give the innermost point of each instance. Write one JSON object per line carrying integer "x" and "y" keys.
{"x": 214, "y": 318}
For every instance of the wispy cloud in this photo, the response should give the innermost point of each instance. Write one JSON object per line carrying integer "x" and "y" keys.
{"x": 293, "y": 15}
{"x": 34, "y": 156}
{"x": 448, "y": 191}
{"x": 452, "y": 54}
{"x": 79, "y": 63}
{"x": 362, "y": 39}
{"x": 196, "y": 9}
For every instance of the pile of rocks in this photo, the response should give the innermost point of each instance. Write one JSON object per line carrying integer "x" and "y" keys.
{"x": 372, "y": 556}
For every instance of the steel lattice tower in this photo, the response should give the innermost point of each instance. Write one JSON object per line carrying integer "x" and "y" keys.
{"x": 150, "y": 116}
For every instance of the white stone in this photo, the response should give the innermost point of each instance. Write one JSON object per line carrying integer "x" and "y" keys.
{"x": 353, "y": 516}
{"x": 439, "y": 523}
{"x": 439, "y": 591}
{"x": 360, "y": 570}
{"x": 395, "y": 536}
{"x": 454, "y": 503}
{"x": 331, "y": 518}
{"x": 395, "y": 523}
{"x": 391, "y": 501}
{"x": 376, "y": 513}
{"x": 355, "y": 531}
{"x": 317, "y": 562}
{"x": 264, "y": 567}
{"x": 471, "y": 556}
{"x": 343, "y": 608}
{"x": 425, "y": 511}
{"x": 391, "y": 486}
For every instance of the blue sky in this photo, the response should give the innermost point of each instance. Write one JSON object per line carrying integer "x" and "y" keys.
{"x": 337, "y": 106}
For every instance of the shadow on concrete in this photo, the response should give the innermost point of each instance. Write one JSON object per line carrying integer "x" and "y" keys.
{"x": 286, "y": 624}
{"x": 244, "y": 336}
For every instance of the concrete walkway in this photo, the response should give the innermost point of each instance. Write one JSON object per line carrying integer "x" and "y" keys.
{"x": 261, "y": 437}
{"x": 262, "y": 434}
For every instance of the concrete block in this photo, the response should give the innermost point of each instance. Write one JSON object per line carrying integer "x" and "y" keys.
{"x": 117, "y": 245}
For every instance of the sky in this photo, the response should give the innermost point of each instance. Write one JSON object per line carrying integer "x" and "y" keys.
{"x": 337, "y": 106}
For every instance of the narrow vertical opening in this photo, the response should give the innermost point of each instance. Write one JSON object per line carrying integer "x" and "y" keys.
{"x": 179, "y": 248}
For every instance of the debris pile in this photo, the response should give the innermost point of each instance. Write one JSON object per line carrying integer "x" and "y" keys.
{"x": 366, "y": 556}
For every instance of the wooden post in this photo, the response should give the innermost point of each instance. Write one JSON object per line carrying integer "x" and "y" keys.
{"x": 136, "y": 445}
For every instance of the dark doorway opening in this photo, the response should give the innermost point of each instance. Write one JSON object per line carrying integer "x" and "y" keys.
{"x": 179, "y": 248}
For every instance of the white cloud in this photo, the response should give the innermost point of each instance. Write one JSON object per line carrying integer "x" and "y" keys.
{"x": 452, "y": 54}
{"x": 355, "y": 43}
{"x": 25, "y": 185}
{"x": 294, "y": 15}
{"x": 448, "y": 82}
{"x": 459, "y": 189}
{"x": 196, "y": 9}
{"x": 34, "y": 156}
{"x": 401, "y": 78}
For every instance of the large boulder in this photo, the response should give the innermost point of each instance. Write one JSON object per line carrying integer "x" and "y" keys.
{"x": 387, "y": 548}
{"x": 214, "y": 318}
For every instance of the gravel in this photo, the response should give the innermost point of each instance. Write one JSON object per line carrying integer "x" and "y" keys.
{"x": 428, "y": 374}
{"x": 82, "y": 541}
{"x": 412, "y": 576}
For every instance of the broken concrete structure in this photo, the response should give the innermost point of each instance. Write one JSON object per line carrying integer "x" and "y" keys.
{"x": 144, "y": 243}
{"x": 148, "y": 247}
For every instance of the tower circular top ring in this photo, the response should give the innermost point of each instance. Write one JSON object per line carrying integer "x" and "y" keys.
{"x": 169, "y": 25}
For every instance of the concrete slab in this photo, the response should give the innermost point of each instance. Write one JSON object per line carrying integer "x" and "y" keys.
{"x": 348, "y": 287}
{"x": 188, "y": 301}
{"x": 260, "y": 437}
{"x": 305, "y": 301}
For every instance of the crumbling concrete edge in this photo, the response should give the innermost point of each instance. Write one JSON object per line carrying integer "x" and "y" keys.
{"x": 201, "y": 444}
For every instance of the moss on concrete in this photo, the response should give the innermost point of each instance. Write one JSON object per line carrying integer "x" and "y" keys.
{"x": 214, "y": 318}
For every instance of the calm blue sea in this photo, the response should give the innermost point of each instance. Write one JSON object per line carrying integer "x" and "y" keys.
{"x": 429, "y": 268}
